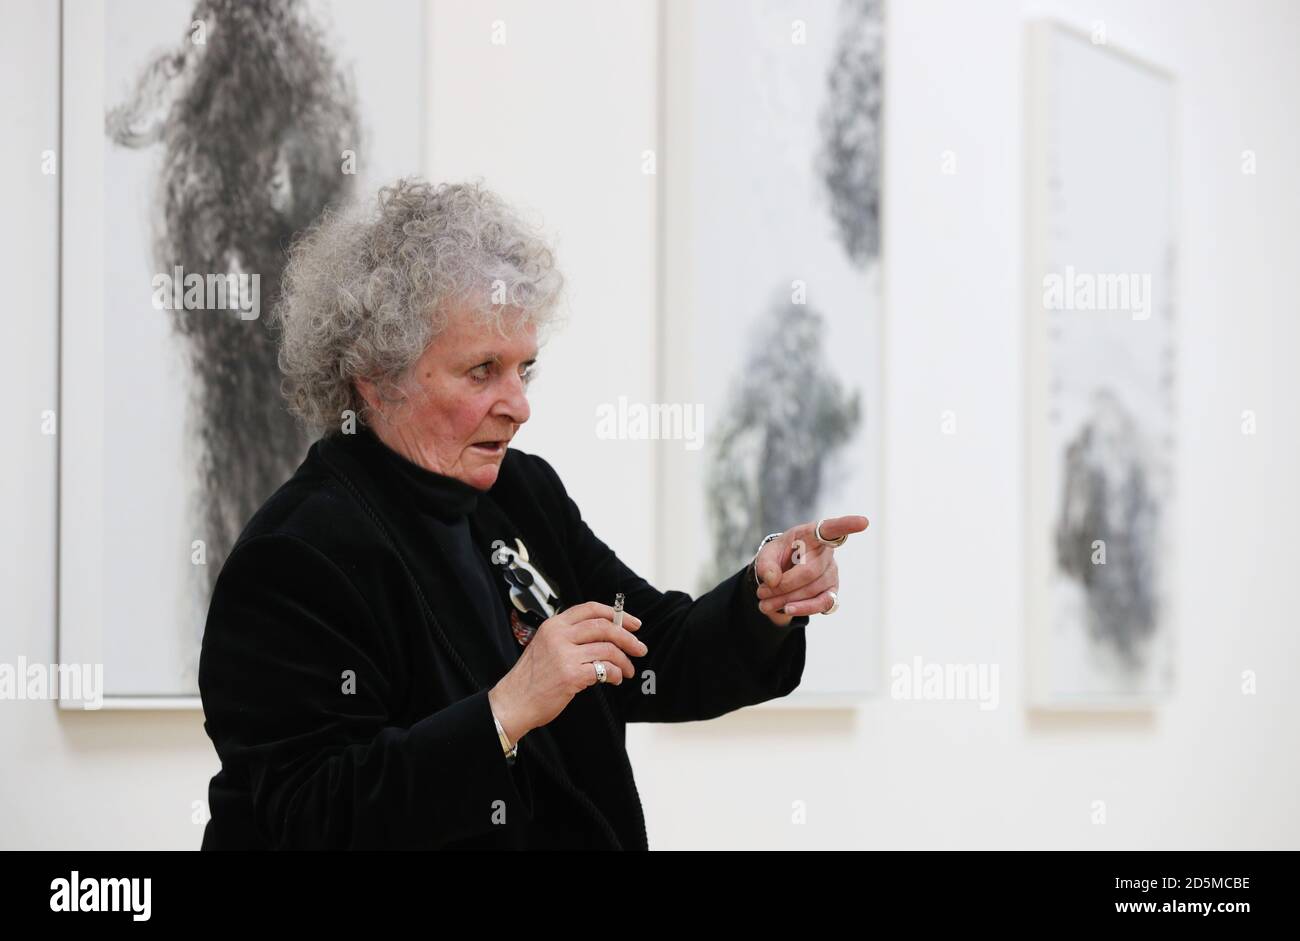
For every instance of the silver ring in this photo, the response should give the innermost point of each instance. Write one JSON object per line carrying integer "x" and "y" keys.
{"x": 833, "y": 543}
{"x": 835, "y": 603}
{"x": 600, "y": 671}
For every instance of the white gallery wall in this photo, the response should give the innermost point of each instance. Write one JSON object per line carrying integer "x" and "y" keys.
{"x": 557, "y": 120}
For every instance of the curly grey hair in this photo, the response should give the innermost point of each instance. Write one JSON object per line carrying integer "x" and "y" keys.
{"x": 367, "y": 290}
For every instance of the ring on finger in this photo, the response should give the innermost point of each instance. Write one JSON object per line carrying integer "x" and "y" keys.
{"x": 600, "y": 671}
{"x": 835, "y": 603}
{"x": 810, "y": 592}
{"x": 833, "y": 543}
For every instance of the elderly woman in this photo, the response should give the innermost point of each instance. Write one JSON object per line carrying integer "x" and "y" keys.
{"x": 415, "y": 641}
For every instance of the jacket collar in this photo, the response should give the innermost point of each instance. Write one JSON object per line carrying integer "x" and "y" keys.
{"x": 391, "y": 487}
{"x": 445, "y": 497}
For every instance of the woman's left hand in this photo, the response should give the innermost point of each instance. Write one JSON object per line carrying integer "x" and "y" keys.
{"x": 797, "y": 572}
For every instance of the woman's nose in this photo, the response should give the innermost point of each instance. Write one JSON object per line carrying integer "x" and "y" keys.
{"x": 516, "y": 402}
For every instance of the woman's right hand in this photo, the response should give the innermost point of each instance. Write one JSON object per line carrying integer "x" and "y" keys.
{"x": 558, "y": 663}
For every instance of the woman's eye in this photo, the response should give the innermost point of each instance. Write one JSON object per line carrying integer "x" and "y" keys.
{"x": 482, "y": 373}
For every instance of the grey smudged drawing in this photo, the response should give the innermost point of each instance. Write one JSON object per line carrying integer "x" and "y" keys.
{"x": 1109, "y": 505}
{"x": 252, "y": 123}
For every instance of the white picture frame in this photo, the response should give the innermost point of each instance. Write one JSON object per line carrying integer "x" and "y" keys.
{"x": 1100, "y": 375}
{"x": 98, "y": 623}
{"x": 845, "y": 660}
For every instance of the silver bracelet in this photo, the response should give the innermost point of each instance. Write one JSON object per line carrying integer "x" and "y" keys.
{"x": 766, "y": 539}
{"x": 510, "y": 750}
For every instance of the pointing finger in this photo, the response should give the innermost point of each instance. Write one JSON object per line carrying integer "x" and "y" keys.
{"x": 838, "y": 526}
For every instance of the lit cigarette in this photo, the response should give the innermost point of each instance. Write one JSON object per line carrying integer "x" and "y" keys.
{"x": 618, "y": 609}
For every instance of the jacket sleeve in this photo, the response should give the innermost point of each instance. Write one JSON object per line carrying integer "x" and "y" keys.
{"x": 326, "y": 766}
{"x": 707, "y": 656}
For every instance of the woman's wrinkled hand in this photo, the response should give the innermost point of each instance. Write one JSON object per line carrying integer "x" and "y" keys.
{"x": 558, "y": 663}
{"x": 796, "y": 572}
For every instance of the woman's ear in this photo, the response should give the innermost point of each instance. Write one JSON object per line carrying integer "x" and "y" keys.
{"x": 368, "y": 391}
{"x": 370, "y": 394}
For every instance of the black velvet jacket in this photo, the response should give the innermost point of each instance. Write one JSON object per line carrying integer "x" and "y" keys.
{"x": 335, "y": 574}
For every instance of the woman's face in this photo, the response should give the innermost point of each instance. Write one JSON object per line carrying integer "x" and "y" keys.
{"x": 466, "y": 400}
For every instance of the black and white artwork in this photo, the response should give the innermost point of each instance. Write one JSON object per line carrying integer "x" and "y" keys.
{"x": 251, "y": 118}
{"x": 779, "y": 304}
{"x": 1102, "y": 345}
{"x": 228, "y": 127}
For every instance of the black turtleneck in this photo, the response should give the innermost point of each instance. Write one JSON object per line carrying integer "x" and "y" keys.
{"x": 436, "y": 494}
{"x": 444, "y": 506}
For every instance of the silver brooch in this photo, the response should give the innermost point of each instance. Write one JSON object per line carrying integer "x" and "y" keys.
{"x": 531, "y": 595}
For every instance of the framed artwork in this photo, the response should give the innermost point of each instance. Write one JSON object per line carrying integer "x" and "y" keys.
{"x": 1101, "y": 331}
{"x": 771, "y": 305}
{"x": 199, "y": 138}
